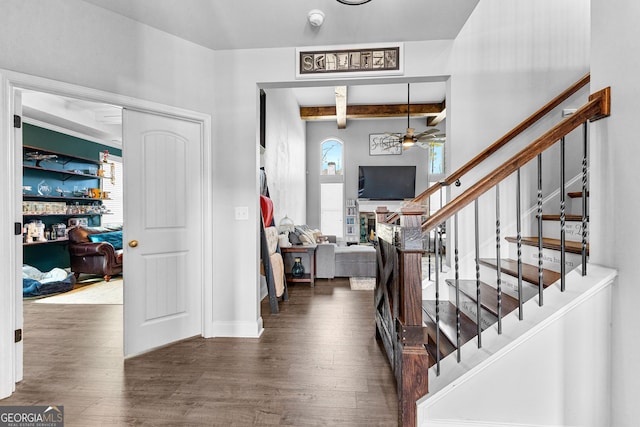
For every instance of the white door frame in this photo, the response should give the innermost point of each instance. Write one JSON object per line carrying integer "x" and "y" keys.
{"x": 11, "y": 245}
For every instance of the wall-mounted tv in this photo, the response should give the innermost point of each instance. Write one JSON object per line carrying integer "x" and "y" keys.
{"x": 386, "y": 182}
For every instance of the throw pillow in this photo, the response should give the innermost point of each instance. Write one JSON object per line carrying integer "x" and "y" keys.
{"x": 113, "y": 237}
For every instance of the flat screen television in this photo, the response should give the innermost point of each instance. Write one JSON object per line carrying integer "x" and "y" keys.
{"x": 386, "y": 182}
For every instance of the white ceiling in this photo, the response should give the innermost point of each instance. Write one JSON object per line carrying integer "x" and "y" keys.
{"x": 249, "y": 24}
{"x": 255, "y": 24}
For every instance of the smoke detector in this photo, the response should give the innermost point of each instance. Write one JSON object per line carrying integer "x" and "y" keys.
{"x": 315, "y": 17}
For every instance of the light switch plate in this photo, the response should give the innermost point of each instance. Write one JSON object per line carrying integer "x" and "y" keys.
{"x": 242, "y": 213}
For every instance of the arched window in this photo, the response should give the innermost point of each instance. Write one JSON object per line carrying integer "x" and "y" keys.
{"x": 332, "y": 161}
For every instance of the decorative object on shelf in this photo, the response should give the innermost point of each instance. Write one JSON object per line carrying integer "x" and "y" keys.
{"x": 286, "y": 225}
{"x": 44, "y": 189}
{"x": 283, "y": 240}
{"x": 80, "y": 191}
{"x": 297, "y": 270}
{"x": 112, "y": 166}
{"x": 59, "y": 231}
{"x": 95, "y": 193}
{"x": 35, "y": 232}
{"x": 78, "y": 222}
{"x": 39, "y": 157}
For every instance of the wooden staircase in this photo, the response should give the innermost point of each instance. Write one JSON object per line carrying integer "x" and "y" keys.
{"x": 474, "y": 294}
{"x": 417, "y": 334}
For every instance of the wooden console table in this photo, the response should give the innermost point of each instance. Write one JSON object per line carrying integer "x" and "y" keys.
{"x": 309, "y": 269}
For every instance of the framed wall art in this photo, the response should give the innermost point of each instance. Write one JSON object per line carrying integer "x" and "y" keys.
{"x": 379, "y": 59}
{"x": 382, "y": 144}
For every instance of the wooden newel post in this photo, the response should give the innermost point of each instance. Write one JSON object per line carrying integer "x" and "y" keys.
{"x": 381, "y": 214}
{"x": 415, "y": 359}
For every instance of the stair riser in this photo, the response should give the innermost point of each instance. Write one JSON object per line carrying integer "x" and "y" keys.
{"x": 509, "y": 283}
{"x": 574, "y": 205}
{"x": 469, "y": 307}
{"x": 572, "y": 230}
{"x": 550, "y": 257}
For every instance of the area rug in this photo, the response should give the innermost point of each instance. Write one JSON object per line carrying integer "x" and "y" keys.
{"x": 99, "y": 293}
{"x": 362, "y": 283}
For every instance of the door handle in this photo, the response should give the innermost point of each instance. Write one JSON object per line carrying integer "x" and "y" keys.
{"x": 133, "y": 243}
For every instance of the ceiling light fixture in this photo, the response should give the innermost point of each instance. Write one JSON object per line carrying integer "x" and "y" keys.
{"x": 353, "y": 2}
{"x": 315, "y": 17}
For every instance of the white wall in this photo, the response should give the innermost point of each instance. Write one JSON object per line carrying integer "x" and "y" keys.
{"x": 614, "y": 191}
{"x": 284, "y": 159}
{"x": 238, "y": 74}
{"x": 356, "y": 153}
{"x": 549, "y": 373}
{"x": 509, "y": 60}
{"x": 74, "y": 42}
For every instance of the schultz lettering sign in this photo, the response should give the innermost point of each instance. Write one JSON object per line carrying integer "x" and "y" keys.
{"x": 351, "y": 62}
{"x": 31, "y": 416}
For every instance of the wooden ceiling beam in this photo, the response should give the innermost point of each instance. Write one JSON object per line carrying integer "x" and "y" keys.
{"x": 341, "y": 106}
{"x": 434, "y": 121}
{"x": 373, "y": 111}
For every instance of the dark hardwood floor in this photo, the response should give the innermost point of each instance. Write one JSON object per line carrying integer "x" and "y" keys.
{"x": 317, "y": 364}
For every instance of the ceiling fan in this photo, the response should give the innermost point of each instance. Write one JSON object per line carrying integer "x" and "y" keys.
{"x": 422, "y": 139}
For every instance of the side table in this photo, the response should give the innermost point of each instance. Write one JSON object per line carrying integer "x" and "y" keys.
{"x": 303, "y": 252}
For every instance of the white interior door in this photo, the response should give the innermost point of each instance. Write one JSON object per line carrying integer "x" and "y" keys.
{"x": 163, "y": 230}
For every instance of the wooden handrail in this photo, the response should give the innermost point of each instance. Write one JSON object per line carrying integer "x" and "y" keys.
{"x": 525, "y": 124}
{"x": 599, "y": 106}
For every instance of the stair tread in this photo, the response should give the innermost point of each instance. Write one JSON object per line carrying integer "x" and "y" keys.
{"x": 488, "y": 296}
{"x": 446, "y": 347}
{"x": 549, "y": 243}
{"x": 529, "y": 272}
{"x": 556, "y": 217}
{"x": 468, "y": 328}
{"x": 575, "y": 194}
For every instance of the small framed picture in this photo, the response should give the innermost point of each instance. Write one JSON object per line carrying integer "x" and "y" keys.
{"x": 382, "y": 144}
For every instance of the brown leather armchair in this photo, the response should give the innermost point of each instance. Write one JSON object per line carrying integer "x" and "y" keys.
{"x": 93, "y": 257}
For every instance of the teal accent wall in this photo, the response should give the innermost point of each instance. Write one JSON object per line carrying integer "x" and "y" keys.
{"x": 36, "y": 136}
{"x": 47, "y": 256}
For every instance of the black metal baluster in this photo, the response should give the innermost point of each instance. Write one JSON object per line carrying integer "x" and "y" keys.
{"x": 562, "y": 216}
{"x": 585, "y": 212}
{"x": 477, "y": 235}
{"x": 437, "y": 312}
{"x": 540, "y": 276}
{"x": 457, "y": 281}
{"x": 519, "y": 245}
{"x": 441, "y": 225}
{"x": 498, "y": 258}
{"x": 429, "y": 252}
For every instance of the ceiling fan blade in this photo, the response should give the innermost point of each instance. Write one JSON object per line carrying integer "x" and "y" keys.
{"x": 428, "y": 132}
{"x": 432, "y": 138}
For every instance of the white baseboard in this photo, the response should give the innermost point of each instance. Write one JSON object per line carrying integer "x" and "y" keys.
{"x": 468, "y": 423}
{"x": 237, "y": 329}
